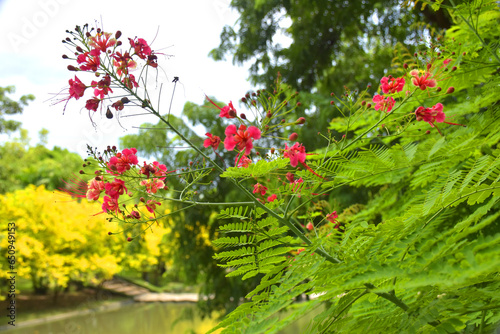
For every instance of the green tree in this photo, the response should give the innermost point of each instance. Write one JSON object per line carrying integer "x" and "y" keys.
{"x": 11, "y": 107}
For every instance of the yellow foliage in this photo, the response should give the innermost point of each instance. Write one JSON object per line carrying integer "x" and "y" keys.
{"x": 57, "y": 238}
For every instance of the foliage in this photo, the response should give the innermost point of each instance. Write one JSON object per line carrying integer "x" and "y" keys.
{"x": 37, "y": 165}
{"x": 418, "y": 252}
{"x": 56, "y": 239}
{"x": 11, "y": 107}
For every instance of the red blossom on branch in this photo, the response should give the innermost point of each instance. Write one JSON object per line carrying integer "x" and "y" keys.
{"x": 392, "y": 85}
{"x": 383, "y": 104}
{"x": 241, "y": 138}
{"x": 259, "y": 188}
{"x": 227, "y": 111}
{"x": 212, "y": 140}
{"x": 89, "y": 61}
{"x": 432, "y": 115}
{"x": 102, "y": 41}
{"x": 123, "y": 161}
{"x": 94, "y": 189}
{"x": 422, "y": 81}
{"x": 116, "y": 188}
{"x": 110, "y": 204}
{"x": 140, "y": 47}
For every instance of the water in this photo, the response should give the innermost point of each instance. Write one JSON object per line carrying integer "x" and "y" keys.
{"x": 137, "y": 318}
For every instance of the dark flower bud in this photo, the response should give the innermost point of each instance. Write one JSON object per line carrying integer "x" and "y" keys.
{"x": 243, "y": 116}
{"x": 300, "y": 120}
{"x": 369, "y": 105}
{"x": 129, "y": 239}
{"x": 405, "y": 66}
{"x": 64, "y": 57}
{"x": 232, "y": 113}
{"x": 450, "y": 90}
{"x": 299, "y": 104}
{"x": 269, "y": 114}
{"x": 427, "y": 132}
{"x": 454, "y": 68}
{"x": 118, "y": 34}
{"x": 332, "y": 94}
{"x": 82, "y": 172}
{"x": 438, "y": 89}
{"x": 125, "y": 100}
{"x": 293, "y": 136}
{"x": 243, "y": 99}
{"x": 88, "y": 34}
{"x": 118, "y": 43}
{"x": 332, "y": 103}
{"x": 72, "y": 68}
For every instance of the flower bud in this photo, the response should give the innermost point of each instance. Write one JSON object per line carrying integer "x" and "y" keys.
{"x": 369, "y": 105}
{"x": 363, "y": 103}
{"x": 124, "y": 100}
{"x": 438, "y": 89}
{"x": 332, "y": 103}
{"x": 450, "y": 90}
{"x": 243, "y": 116}
{"x": 82, "y": 172}
{"x": 299, "y": 104}
{"x": 118, "y": 34}
{"x": 300, "y": 120}
{"x": 129, "y": 239}
{"x": 72, "y": 68}
{"x": 232, "y": 113}
{"x": 64, "y": 57}
{"x": 454, "y": 68}
{"x": 293, "y": 136}
{"x": 109, "y": 233}
{"x": 269, "y": 114}
{"x": 118, "y": 43}
{"x": 273, "y": 150}
{"x": 243, "y": 99}
{"x": 405, "y": 66}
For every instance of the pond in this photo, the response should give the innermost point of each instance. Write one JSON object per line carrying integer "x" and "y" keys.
{"x": 137, "y": 318}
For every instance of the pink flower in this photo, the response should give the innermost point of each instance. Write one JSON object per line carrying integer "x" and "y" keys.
{"x": 89, "y": 60}
{"x": 432, "y": 115}
{"x": 140, "y": 47}
{"x": 227, "y": 111}
{"x": 259, "y": 188}
{"x": 151, "y": 205}
{"x": 129, "y": 81}
{"x": 383, "y": 104}
{"x": 423, "y": 81}
{"x": 446, "y": 61}
{"x": 156, "y": 169}
{"x": 116, "y": 188}
{"x": 92, "y": 104}
{"x": 296, "y": 153}
{"x": 110, "y": 204}
{"x": 212, "y": 140}
{"x": 102, "y": 87}
{"x": 123, "y": 161}
{"x": 310, "y": 226}
{"x": 272, "y": 198}
{"x": 244, "y": 161}
{"x": 241, "y": 137}
{"x": 102, "y": 41}
{"x": 76, "y": 88}
{"x": 123, "y": 62}
{"x": 392, "y": 85}
{"x": 94, "y": 189}
{"x": 331, "y": 217}
{"x": 152, "y": 185}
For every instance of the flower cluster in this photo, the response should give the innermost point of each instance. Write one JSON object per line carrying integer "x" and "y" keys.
{"x": 118, "y": 170}
{"x": 97, "y": 52}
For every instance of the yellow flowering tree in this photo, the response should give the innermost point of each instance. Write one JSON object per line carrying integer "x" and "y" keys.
{"x": 58, "y": 239}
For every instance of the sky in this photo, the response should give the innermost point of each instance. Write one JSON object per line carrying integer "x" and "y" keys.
{"x": 31, "y": 32}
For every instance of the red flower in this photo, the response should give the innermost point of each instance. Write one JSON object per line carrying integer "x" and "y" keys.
{"x": 160, "y": 171}
{"x": 331, "y": 217}
{"x": 259, "y": 188}
{"x": 383, "y": 104}
{"x": 140, "y": 47}
{"x": 244, "y": 161}
{"x": 212, "y": 140}
{"x": 76, "y": 88}
{"x": 123, "y": 62}
{"x": 272, "y": 198}
{"x": 89, "y": 60}
{"x": 122, "y": 161}
{"x": 432, "y": 115}
{"x": 92, "y": 104}
{"x": 392, "y": 85}
{"x": 227, "y": 111}
{"x": 310, "y": 226}
{"x": 151, "y": 205}
{"x": 94, "y": 189}
{"x": 118, "y": 105}
{"x": 116, "y": 188}
{"x": 240, "y": 137}
{"x": 110, "y": 204}
{"x": 130, "y": 82}
{"x": 423, "y": 81}
{"x": 102, "y": 87}
{"x": 152, "y": 185}
{"x": 296, "y": 153}
{"x": 102, "y": 41}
